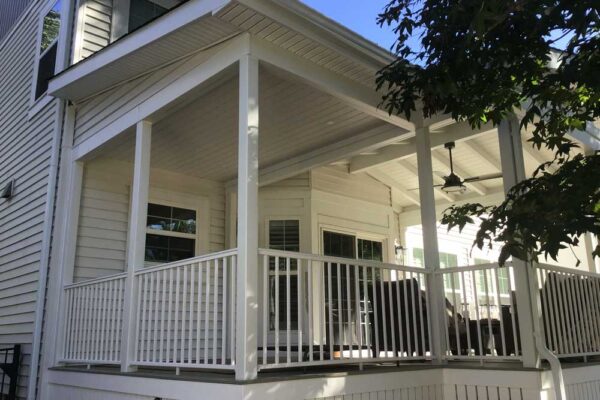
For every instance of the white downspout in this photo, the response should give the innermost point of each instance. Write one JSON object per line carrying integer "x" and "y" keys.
{"x": 62, "y": 62}
{"x": 557, "y": 374}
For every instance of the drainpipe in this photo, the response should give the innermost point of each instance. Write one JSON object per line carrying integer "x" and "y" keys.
{"x": 544, "y": 352}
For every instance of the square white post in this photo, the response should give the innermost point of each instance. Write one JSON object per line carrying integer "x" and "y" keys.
{"x": 513, "y": 171}
{"x": 247, "y": 238}
{"x": 431, "y": 254}
{"x": 136, "y": 240}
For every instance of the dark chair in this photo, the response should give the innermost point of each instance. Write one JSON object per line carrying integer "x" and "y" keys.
{"x": 402, "y": 321}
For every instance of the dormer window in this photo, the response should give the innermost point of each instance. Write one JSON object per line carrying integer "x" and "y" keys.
{"x": 48, "y": 45}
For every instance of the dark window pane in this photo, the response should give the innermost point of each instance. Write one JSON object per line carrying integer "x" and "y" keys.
{"x": 157, "y": 241}
{"x": 172, "y": 219}
{"x": 142, "y": 12}
{"x": 161, "y": 248}
{"x": 183, "y": 214}
{"x": 157, "y": 210}
{"x": 46, "y": 67}
{"x": 370, "y": 250}
{"x": 338, "y": 245}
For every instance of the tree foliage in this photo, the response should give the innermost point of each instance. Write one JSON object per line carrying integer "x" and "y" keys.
{"x": 479, "y": 61}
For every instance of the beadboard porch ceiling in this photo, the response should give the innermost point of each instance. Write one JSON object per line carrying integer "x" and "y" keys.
{"x": 198, "y": 136}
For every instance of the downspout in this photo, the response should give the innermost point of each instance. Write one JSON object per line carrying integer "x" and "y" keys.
{"x": 62, "y": 61}
{"x": 45, "y": 256}
{"x": 544, "y": 352}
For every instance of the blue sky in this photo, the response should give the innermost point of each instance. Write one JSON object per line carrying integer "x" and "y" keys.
{"x": 357, "y": 15}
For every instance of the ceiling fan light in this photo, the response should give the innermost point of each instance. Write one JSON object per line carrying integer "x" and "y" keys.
{"x": 453, "y": 188}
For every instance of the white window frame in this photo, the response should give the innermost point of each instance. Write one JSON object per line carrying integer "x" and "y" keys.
{"x": 200, "y": 204}
{"x": 357, "y": 235}
{"x": 37, "y": 104}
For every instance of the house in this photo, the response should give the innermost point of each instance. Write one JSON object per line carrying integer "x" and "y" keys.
{"x": 160, "y": 240}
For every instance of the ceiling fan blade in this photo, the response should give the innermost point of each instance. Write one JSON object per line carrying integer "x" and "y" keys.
{"x": 483, "y": 178}
{"x": 413, "y": 189}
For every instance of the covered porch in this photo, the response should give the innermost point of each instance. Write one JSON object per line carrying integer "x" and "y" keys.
{"x": 198, "y": 236}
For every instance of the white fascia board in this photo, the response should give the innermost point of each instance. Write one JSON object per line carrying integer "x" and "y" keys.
{"x": 174, "y": 20}
{"x": 589, "y": 138}
{"x": 359, "y": 96}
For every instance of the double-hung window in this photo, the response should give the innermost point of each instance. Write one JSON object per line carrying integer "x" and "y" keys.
{"x": 46, "y": 60}
{"x": 170, "y": 233}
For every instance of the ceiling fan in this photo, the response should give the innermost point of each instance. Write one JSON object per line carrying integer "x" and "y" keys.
{"x": 453, "y": 183}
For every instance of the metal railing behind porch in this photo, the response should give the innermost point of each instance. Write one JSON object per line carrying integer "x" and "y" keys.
{"x": 184, "y": 315}
{"x": 481, "y": 316}
{"x": 318, "y": 310}
{"x": 570, "y": 301}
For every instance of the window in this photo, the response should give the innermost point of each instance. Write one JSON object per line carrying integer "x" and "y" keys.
{"x": 144, "y": 11}
{"x": 170, "y": 233}
{"x": 448, "y": 260}
{"x": 283, "y": 235}
{"x": 47, "y": 50}
{"x": 348, "y": 246}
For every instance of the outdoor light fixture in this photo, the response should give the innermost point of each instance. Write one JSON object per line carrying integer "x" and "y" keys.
{"x": 9, "y": 190}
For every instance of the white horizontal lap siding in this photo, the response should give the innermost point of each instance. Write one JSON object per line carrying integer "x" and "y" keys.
{"x": 97, "y": 24}
{"x": 103, "y": 221}
{"x": 24, "y": 156}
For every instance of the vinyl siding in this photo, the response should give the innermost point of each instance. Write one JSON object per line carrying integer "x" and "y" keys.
{"x": 11, "y": 11}
{"x": 24, "y": 156}
{"x": 96, "y": 26}
{"x": 104, "y": 214}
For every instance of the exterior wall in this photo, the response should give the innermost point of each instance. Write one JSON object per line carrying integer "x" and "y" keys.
{"x": 353, "y": 204}
{"x": 11, "y": 11}
{"x": 95, "y": 27}
{"x": 104, "y": 214}
{"x": 27, "y": 142}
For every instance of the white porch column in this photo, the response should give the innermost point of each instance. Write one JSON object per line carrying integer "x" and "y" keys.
{"x": 247, "y": 238}
{"x": 430, "y": 242}
{"x": 136, "y": 239}
{"x": 513, "y": 171}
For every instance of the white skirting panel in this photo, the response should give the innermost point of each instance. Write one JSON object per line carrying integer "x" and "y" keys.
{"x": 427, "y": 384}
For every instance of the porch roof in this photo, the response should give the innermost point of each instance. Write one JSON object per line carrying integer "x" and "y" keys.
{"x": 198, "y": 25}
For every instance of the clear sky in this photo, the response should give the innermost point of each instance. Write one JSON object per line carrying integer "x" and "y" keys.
{"x": 357, "y": 15}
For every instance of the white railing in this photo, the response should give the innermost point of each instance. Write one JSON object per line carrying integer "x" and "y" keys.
{"x": 570, "y": 300}
{"x": 184, "y": 313}
{"x": 94, "y": 321}
{"x": 327, "y": 310}
{"x": 481, "y": 317}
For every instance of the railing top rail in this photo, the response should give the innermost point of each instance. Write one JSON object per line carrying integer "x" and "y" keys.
{"x": 187, "y": 261}
{"x": 573, "y": 271}
{"x": 88, "y": 282}
{"x": 469, "y": 268}
{"x": 340, "y": 260}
